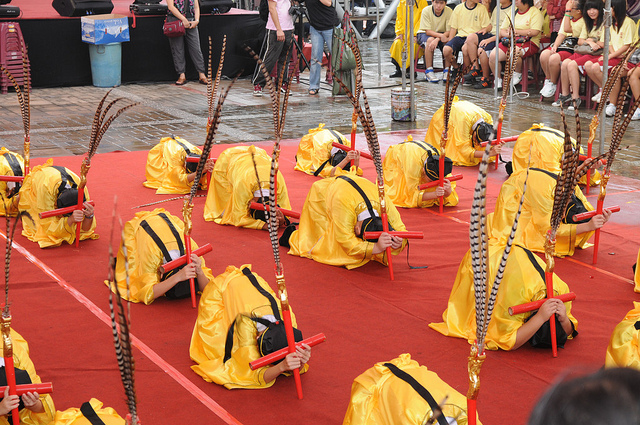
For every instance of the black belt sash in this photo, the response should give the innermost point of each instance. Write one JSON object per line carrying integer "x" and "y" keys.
{"x": 424, "y": 393}
{"x": 13, "y": 163}
{"x": 65, "y": 178}
{"x": 90, "y": 414}
{"x": 361, "y": 192}
{"x": 321, "y": 167}
{"x": 158, "y": 241}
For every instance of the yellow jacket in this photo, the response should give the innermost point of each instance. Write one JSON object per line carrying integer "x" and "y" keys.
{"x": 403, "y": 172}
{"x": 165, "y": 168}
{"x": 21, "y": 360}
{"x": 378, "y": 397}
{"x": 144, "y": 256}
{"x": 459, "y": 147}
{"x": 39, "y": 193}
{"x": 623, "y": 349}
{"x": 231, "y": 294}
{"x": 330, "y": 212}
{"x": 233, "y": 183}
{"x": 314, "y": 150}
{"x": 401, "y": 17}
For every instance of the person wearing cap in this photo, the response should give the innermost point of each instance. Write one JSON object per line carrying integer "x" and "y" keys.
{"x": 239, "y": 321}
{"x": 623, "y": 349}
{"x": 46, "y": 188}
{"x": 11, "y": 164}
{"x": 234, "y": 186}
{"x": 317, "y": 156}
{"x": 410, "y": 164}
{"x": 469, "y": 126}
{"x": 167, "y": 168}
{"x": 34, "y": 409}
{"x": 334, "y": 217}
{"x": 153, "y": 238}
{"x": 379, "y": 396}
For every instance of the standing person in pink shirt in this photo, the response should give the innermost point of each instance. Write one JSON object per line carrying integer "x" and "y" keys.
{"x": 279, "y": 37}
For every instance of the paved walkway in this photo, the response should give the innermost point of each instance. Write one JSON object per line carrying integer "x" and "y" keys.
{"x": 61, "y": 117}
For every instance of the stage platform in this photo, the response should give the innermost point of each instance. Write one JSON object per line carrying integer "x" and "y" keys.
{"x": 59, "y": 57}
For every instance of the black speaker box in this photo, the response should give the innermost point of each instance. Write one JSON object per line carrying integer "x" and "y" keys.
{"x": 216, "y": 6}
{"x": 9, "y": 11}
{"x": 82, "y": 7}
{"x": 148, "y": 9}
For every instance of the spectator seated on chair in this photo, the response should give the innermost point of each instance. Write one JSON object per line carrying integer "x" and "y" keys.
{"x": 433, "y": 34}
{"x": 400, "y": 43}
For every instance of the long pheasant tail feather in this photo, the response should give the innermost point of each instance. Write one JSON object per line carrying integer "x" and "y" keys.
{"x": 565, "y": 184}
{"x": 22, "y": 100}
{"x": 510, "y": 64}
{"x": 273, "y": 219}
{"x": 26, "y": 77}
{"x": 209, "y": 141}
{"x": 614, "y": 144}
{"x": 95, "y": 126}
{"x": 93, "y": 146}
{"x": 358, "y": 56}
{"x": 457, "y": 81}
{"x": 272, "y": 89}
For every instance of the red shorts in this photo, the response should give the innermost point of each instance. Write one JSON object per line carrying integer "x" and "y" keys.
{"x": 564, "y": 55}
{"x": 612, "y": 62}
{"x": 528, "y": 49}
{"x": 582, "y": 59}
{"x": 631, "y": 66}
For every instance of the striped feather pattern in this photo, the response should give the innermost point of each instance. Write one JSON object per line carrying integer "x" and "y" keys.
{"x": 212, "y": 92}
{"x": 10, "y": 232}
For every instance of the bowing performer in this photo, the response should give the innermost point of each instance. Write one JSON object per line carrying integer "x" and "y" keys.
{"x": 239, "y": 320}
{"x": 624, "y": 348}
{"x": 317, "y": 156}
{"x": 34, "y": 409}
{"x": 335, "y": 216}
{"x": 383, "y": 394}
{"x": 234, "y": 187}
{"x": 469, "y": 126}
{"x": 409, "y": 164}
{"x": 153, "y": 238}
{"x": 167, "y": 168}
{"x": 48, "y": 187}
{"x": 11, "y": 164}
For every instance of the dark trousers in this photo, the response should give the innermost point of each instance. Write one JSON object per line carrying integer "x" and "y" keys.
{"x": 276, "y": 51}
{"x": 192, "y": 39}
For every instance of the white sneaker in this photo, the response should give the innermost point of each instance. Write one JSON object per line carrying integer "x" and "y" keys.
{"x": 500, "y": 83}
{"x": 636, "y": 115}
{"x": 548, "y": 90}
{"x": 517, "y": 77}
{"x": 610, "y": 110}
{"x": 431, "y": 77}
{"x": 597, "y": 96}
{"x": 552, "y": 90}
{"x": 545, "y": 87}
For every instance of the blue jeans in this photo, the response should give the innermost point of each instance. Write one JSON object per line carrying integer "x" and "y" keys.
{"x": 318, "y": 38}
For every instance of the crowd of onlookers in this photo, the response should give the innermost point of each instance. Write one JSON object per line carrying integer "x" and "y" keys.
{"x": 566, "y": 35}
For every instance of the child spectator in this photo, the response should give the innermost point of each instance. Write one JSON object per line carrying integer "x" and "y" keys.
{"x": 433, "y": 33}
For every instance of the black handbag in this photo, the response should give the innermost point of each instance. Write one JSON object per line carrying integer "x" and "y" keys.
{"x": 567, "y": 45}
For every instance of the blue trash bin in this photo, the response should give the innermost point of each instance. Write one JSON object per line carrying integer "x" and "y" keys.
{"x": 106, "y": 64}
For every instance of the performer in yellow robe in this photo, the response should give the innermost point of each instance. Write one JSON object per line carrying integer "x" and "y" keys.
{"x": 234, "y": 185}
{"x": 330, "y": 214}
{"x": 144, "y": 256}
{"x": 469, "y": 125}
{"x": 11, "y": 164}
{"x": 536, "y": 214}
{"x": 232, "y": 300}
{"x": 317, "y": 157}
{"x": 402, "y": 35}
{"x": 45, "y": 189}
{"x": 378, "y": 397}
{"x": 523, "y": 282}
{"x": 73, "y": 416}
{"x": 546, "y": 146}
{"x": 40, "y": 410}
{"x": 623, "y": 349}
{"x": 167, "y": 169}
{"x": 410, "y": 164}
{"x": 636, "y": 275}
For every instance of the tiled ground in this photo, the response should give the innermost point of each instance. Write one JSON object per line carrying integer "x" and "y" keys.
{"x": 61, "y": 117}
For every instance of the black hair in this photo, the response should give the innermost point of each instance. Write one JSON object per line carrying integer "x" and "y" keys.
{"x": 588, "y": 22}
{"x": 528, "y": 2}
{"x": 619, "y": 13}
{"x": 607, "y": 396}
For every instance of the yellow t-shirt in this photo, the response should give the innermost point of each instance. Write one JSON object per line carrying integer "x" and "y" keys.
{"x": 576, "y": 28}
{"x": 626, "y": 35}
{"x": 595, "y": 33}
{"x": 504, "y": 12}
{"x": 430, "y": 22}
{"x": 467, "y": 21}
{"x": 530, "y": 20}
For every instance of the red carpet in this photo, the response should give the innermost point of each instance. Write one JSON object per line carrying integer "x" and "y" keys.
{"x": 367, "y": 318}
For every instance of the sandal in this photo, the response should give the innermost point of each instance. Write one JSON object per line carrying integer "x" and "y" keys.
{"x": 313, "y": 92}
{"x": 181, "y": 82}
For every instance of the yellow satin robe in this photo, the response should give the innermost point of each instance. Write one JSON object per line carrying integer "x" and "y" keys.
{"x": 636, "y": 277}
{"x": 5, "y": 170}
{"x": 459, "y": 148}
{"x": 39, "y": 193}
{"x": 314, "y": 150}
{"x": 546, "y": 146}
{"x": 145, "y": 257}
{"x": 623, "y": 350}
{"x": 231, "y": 294}
{"x": 403, "y": 172}
{"x": 330, "y": 212}
{"x": 536, "y": 214}
{"x": 233, "y": 183}
{"x": 522, "y": 283}
{"x": 73, "y": 415}
{"x": 401, "y": 17}
{"x": 22, "y": 361}
{"x": 165, "y": 170}
{"x": 378, "y": 397}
